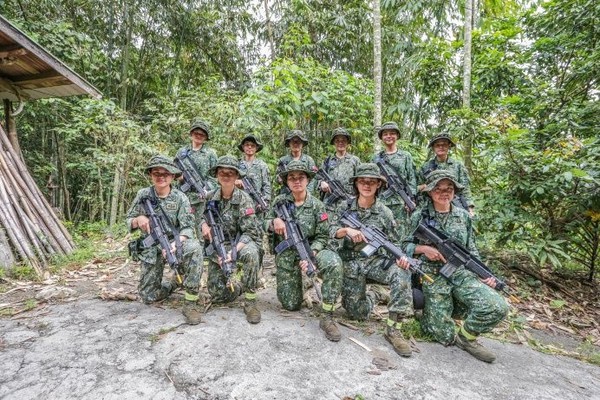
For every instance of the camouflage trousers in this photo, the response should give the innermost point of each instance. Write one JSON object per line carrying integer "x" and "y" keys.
{"x": 151, "y": 286}
{"x": 289, "y": 278}
{"x": 358, "y": 271}
{"x": 247, "y": 267}
{"x": 463, "y": 295}
{"x": 402, "y": 219}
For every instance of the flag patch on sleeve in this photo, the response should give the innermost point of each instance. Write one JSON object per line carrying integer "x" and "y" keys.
{"x": 249, "y": 211}
{"x": 324, "y": 217}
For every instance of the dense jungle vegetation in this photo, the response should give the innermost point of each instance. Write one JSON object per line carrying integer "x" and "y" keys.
{"x": 527, "y": 124}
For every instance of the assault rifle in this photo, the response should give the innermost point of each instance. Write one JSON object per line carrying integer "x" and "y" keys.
{"x": 457, "y": 255}
{"x": 211, "y": 214}
{"x": 191, "y": 177}
{"x": 337, "y": 189}
{"x": 158, "y": 234}
{"x": 376, "y": 239}
{"x": 397, "y": 185}
{"x": 296, "y": 239}
{"x": 250, "y": 188}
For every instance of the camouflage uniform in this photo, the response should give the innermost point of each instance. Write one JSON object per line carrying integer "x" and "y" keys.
{"x": 464, "y": 293}
{"x": 239, "y": 224}
{"x": 177, "y": 209}
{"x": 341, "y": 169}
{"x": 400, "y": 163}
{"x": 314, "y": 224}
{"x": 454, "y": 166}
{"x": 285, "y": 160}
{"x": 205, "y": 158}
{"x": 380, "y": 267}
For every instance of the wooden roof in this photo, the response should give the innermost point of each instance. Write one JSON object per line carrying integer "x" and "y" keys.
{"x": 30, "y": 70}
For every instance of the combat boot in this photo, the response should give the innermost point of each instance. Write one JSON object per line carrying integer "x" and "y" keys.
{"x": 191, "y": 309}
{"x": 330, "y": 328}
{"x": 393, "y": 334}
{"x": 250, "y": 309}
{"x": 474, "y": 348}
{"x": 379, "y": 294}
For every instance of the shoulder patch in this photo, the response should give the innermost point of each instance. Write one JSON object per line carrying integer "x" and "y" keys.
{"x": 324, "y": 217}
{"x": 171, "y": 206}
{"x": 249, "y": 211}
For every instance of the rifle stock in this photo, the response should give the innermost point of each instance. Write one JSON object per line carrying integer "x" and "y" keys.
{"x": 250, "y": 188}
{"x": 191, "y": 178}
{"x": 397, "y": 185}
{"x": 337, "y": 189}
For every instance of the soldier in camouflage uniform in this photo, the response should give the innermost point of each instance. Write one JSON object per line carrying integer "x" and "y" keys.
{"x": 463, "y": 292}
{"x": 380, "y": 267}
{"x": 175, "y": 207}
{"x": 314, "y": 224}
{"x": 258, "y": 171}
{"x": 240, "y": 227}
{"x": 205, "y": 158}
{"x": 397, "y": 162}
{"x": 441, "y": 144}
{"x": 341, "y": 165}
{"x": 296, "y": 140}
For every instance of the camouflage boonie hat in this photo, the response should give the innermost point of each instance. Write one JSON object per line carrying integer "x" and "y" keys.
{"x": 296, "y": 165}
{"x": 250, "y": 138}
{"x": 199, "y": 124}
{"x": 368, "y": 170}
{"x": 159, "y": 161}
{"x": 226, "y": 161}
{"x": 340, "y": 132}
{"x": 440, "y": 174}
{"x": 295, "y": 133}
{"x": 440, "y": 136}
{"x": 388, "y": 126}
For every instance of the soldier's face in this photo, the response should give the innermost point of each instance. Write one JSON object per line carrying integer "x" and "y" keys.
{"x": 296, "y": 144}
{"x": 367, "y": 187}
{"x": 297, "y": 181}
{"x": 340, "y": 143}
{"x": 161, "y": 178}
{"x": 198, "y": 137}
{"x": 443, "y": 193}
{"x": 226, "y": 176}
{"x": 249, "y": 148}
{"x": 389, "y": 136}
{"x": 441, "y": 147}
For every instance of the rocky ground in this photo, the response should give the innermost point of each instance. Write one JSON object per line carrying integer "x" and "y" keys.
{"x": 81, "y": 333}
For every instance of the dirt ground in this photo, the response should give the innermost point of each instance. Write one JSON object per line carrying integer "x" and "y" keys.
{"x": 82, "y": 333}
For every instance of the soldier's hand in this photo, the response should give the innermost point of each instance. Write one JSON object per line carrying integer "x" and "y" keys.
{"x": 355, "y": 235}
{"x": 206, "y": 232}
{"x": 279, "y": 227}
{"x": 303, "y": 266}
{"x": 325, "y": 187}
{"x": 142, "y": 222}
{"x": 432, "y": 254}
{"x": 491, "y": 282}
{"x": 403, "y": 262}
{"x": 238, "y": 183}
{"x": 472, "y": 211}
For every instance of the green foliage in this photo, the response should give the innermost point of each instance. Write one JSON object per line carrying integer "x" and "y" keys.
{"x": 23, "y": 272}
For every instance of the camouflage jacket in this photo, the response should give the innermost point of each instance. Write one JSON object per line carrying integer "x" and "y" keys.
{"x": 176, "y": 207}
{"x": 205, "y": 158}
{"x": 305, "y": 158}
{"x": 312, "y": 218}
{"x": 376, "y": 216}
{"x": 456, "y": 167}
{"x": 457, "y": 224}
{"x": 341, "y": 169}
{"x": 259, "y": 172}
{"x": 237, "y": 216}
{"x": 401, "y": 163}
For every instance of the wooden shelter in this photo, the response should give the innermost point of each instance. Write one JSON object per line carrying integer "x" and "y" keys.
{"x": 30, "y": 231}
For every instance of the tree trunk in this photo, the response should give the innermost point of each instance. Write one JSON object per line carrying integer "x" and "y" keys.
{"x": 11, "y": 128}
{"x": 116, "y": 190}
{"x": 466, "y": 98}
{"x": 377, "y": 68}
{"x": 127, "y": 16}
{"x": 269, "y": 30}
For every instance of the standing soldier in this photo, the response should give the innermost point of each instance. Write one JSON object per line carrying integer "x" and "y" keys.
{"x": 441, "y": 144}
{"x": 200, "y": 156}
{"x": 173, "y": 208}
{"x": 295, "y": 140}
{"x": 462, "y": 293}
{"x": 341, "y": 166}
{"x": 377, "y": 268}
{"x": 313, "y": 222}
{"x": 241, "y": 230}
{"x": 400, "y": 163}
{"x": 257, "y": 174}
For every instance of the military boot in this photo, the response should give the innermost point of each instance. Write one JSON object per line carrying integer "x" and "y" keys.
{"x": 379, "y": 294}
{"x": 474, "y": 348}
{"x": 393, "y": 334}
{"x": 330, "y": 328}
{"x": 250, "y": 309}
{"x": 191, "y": 309}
